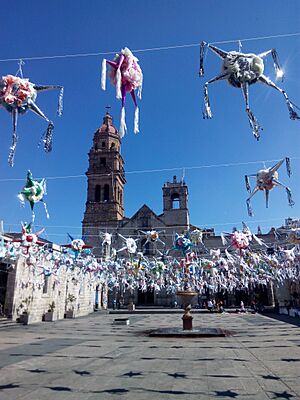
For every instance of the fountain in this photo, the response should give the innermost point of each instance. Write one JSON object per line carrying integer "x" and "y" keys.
{"x": 186, "y": 296}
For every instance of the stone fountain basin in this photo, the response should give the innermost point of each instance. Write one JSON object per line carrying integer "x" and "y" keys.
{"x": 186, "y": 296}
{"x": 196, "y": 332}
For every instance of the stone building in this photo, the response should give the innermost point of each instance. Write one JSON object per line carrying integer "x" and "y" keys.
{"x": 105, "y": 198}
{"x": 105, "y": 211}
{"x": 25, "y": 289}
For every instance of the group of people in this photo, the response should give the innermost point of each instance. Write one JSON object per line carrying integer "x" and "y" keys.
{"x": 215, "y": 305}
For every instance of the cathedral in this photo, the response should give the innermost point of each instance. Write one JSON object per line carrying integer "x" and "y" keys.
{"x": 105, "y": 200}
{"x": 105, "y": 212}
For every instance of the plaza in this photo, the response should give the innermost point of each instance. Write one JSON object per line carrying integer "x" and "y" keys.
{"x": 92, "y": 358}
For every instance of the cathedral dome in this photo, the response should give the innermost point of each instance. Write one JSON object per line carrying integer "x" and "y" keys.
{"x": 107, "y": 126}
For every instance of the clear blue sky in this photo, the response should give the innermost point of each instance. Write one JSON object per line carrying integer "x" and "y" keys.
{"x": 173, "y": 133}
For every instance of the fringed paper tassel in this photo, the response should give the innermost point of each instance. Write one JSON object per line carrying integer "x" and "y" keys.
{"x": 45, "y": 187}
{"x": 248, "y": 187}
{"x": 207, "y": 114}
{"x": 60, "y": 102}
{"x": 103, "y": 75}
{"x": 123, "y": 127}
{"x": 293, "y": 114}
{"x": 205, "y": 248}
{"x": 289, "y": 195}
{"x": 136, "y": 120}
{"x": 249, "y": 208}
{"x": 139, "y": 92}
{"x": 12, "y": 150}
{"x": 258, "y": 241}
{"x": 202, "y": 52}
{"x": 288, "y": 166}
{"x": 224, "y": 241}
{"x": 22, "y": 199}
{"x": 254, "y": 124}
{"x": 228, "y": 255}
{"x": 46, "y": 210}
{"x": 277, "y": 67}
{"x": 13, "y": 146}
{"x": 118, "y": 84}
{"x": 48, "y": 138}
{"x": 240, "y": 46}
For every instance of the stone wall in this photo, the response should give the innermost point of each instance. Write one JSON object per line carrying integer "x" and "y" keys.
{"x": 28, "y": 289}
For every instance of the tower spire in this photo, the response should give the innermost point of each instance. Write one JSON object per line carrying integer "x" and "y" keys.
{"x": 106, "y": 180}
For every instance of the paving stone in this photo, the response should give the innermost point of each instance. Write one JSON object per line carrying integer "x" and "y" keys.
{"x": 89, "y": 358}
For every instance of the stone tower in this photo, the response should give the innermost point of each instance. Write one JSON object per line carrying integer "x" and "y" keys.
{"x": 105, "y": 193}
{"x": 175, "y": 200}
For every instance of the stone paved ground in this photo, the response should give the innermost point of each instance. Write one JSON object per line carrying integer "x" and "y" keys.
{"x": 90, "y": 358}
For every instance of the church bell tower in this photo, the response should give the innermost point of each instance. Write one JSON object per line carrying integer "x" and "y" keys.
{"x": 106, "y": 180}
{"x": 175, "y": 200}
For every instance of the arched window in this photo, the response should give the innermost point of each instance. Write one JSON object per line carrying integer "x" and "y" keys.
{"x": 106, "y": 193}
{"x": 121, "y": 197}
{"x": 97, "y": 193}
{"x": 175, "y": 200}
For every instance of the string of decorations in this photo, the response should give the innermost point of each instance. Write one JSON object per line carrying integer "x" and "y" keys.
{"x": 17, "y": 95}
{"x": 245, "y": 261}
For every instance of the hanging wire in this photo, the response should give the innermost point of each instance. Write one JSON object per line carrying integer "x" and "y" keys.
{"x": 150, "y": 171}
{"x": 103, "y": 227}
{"x": 101, "y": 53}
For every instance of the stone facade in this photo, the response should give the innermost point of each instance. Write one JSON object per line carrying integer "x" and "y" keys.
{"x": 105, "y": 194}
{"x": 29, "y": 290}
{"x": 105, "y": 198}
{"x": 105, "y": 213}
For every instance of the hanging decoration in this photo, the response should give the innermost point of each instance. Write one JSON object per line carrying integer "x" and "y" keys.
{"x": 182, "y": 243}
{"x": 28, "y": 238}
{"x": 221, "y": 270}
{"x": 241, "y": 70}
{"x": 106, "y": 243}
{"x": 240, "y": 240}
{"x": 196, "y": 236}
{"x": 17, "y": 96}
{"x": 126, "y": 75}
{"x": 266, "y": 180}
{"x": 152, "y": 236}
{"x": 106, "y": 238}
{"x": 77, "y": 245}
{"x": 129, "y": 244}
{"x": 33, "y": 192}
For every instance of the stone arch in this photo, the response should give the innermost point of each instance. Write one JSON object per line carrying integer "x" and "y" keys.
{"x": 175, "y": 200}
{"x": 106, "y": 192}
{"x": 97, "y": 193}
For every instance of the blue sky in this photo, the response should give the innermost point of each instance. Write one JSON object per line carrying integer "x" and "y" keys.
{"x": 172, "y": 131}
